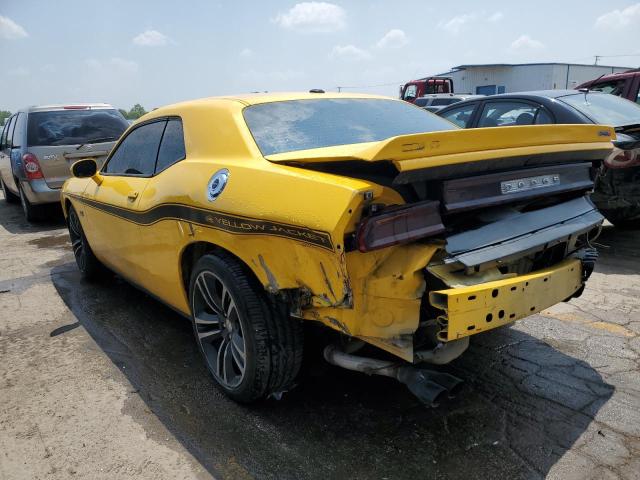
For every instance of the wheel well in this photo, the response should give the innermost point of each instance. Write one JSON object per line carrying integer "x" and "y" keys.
{"x": 192, "y": 253}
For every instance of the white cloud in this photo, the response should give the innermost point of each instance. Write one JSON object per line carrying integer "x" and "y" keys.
{"x": 525, "y": 42}
{"x": 150, "y": 38}
{"x": 394, "y": 38}
{"x": 10, "y": 30}
{"x": 115, "y": 64}
{"x": 246, "y": 52}
{"x": 313, "y": 17}
{"x": 349, "y": 52}
{"x": 619, "y": 18}
{"x": 456, "y": 24}
{"x": 495, "y": 17}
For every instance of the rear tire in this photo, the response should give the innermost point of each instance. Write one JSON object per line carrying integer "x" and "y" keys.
{"x": 32, "y": 213}
{"x": 250, "y": 344}
{"x": 89, "y": 266}
{"x": 9, "y": 197}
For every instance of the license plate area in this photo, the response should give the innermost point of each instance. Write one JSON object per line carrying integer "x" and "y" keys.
{"x": 481, "y": 191}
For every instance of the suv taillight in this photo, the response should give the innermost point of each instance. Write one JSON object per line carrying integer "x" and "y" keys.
{"x": 623, "y": 158}
{"x": 32, "y": 166}
{"x": 399, "y": 225}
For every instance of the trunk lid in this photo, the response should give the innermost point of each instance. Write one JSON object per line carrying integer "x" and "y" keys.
{"x": 56, "y": 161}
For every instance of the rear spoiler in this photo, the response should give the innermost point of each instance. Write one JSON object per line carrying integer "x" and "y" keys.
{"x": 424, "y": 150}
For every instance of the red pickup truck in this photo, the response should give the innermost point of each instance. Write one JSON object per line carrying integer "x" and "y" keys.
{"x": 624, "y": 84}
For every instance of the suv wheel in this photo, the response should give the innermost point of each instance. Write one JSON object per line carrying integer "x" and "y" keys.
{"x": 89, "y": 266}
{"x": 9, "y": 197}
{"x": 251, "y": 345}
{"x": 31, "y": 212}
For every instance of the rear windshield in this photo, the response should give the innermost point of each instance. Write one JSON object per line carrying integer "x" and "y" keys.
{"x": 287, "y": 126}
{"x": 605, "y": 109}
{"x": 72, "y": 127}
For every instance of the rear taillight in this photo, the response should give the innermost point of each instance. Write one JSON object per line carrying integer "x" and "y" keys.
{"x": 623, "y": 158}
{"x": 399, "y": 225}
{"x": 32, "y": 166}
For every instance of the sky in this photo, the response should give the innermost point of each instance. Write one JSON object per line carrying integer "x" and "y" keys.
{"x": 159, "y": 52}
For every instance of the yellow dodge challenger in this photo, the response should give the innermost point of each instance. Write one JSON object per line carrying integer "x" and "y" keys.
{"x": 255, "y": 214}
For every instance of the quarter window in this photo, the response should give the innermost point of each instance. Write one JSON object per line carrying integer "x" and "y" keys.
{"x": 137, "y": 153}
{"x": 461, "y": 115}
{"x": 172, "y": 146}
{"x": 8, "y": 137}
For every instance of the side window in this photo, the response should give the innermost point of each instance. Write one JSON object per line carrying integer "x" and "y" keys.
{"x": 19, "y": 130}
{"x": 421, "y": 102}
{"x": 172, "y": 146}
{"x": 137, "y": 153}
{"x": 505, "y": 114}
{"x": 614, "y": 87}
{"x": 410, "y": 92}
{"x": 543, "y": 117}
{"x": 3, "y": 137}
{"x": 461, "y": 115}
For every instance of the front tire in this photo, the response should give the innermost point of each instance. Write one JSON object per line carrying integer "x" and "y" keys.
{"x": 9, "y": 197}
{"x": 89, "y": 266}
{"x": 250, "y": 344}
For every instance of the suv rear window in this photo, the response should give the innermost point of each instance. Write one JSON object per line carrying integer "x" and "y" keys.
{"x": 287, "y": 126}
{"x": 72, "y": 127}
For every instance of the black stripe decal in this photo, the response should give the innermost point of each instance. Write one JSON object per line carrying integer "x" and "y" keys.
{"x": 212, "y": 219}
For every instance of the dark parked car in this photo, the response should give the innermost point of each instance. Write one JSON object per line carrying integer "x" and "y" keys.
{"x": 617, "y": 192}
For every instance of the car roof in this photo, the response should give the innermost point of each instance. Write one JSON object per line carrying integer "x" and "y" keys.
{"x": 66, "y": 106}
{"x": 256, "y": 98}
{"x": 236, "y": 102}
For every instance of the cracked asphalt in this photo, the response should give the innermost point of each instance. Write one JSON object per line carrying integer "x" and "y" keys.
{"x": 101, "y": 381}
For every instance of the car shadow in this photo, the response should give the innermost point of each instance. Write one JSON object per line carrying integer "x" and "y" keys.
{"x": 524, "y": 403}
{"x": 13, "y": 221}
{"x": 618, "y": 250}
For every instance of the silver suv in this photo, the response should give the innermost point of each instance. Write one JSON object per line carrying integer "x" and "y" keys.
{"x": 39, "y": 144}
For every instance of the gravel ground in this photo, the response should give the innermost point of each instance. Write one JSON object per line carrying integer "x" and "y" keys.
{"x": 101, "y": 381}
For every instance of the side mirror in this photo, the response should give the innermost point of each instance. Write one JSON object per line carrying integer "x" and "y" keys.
{"x": 84, "y": 168}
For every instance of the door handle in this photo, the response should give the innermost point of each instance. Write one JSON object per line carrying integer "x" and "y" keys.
{"x": 132, "y": 196}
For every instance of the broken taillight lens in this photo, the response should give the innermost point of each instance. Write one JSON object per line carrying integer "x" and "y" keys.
{"x": 399, "y": 225}
{"x": 32, "y": 166}
{"x": 623, "y": 158}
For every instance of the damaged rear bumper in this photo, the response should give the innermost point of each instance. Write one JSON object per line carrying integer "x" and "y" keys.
{"x": 474, "y": 309}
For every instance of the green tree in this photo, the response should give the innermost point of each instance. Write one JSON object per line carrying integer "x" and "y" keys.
{"x": 124, "y": 113}
{"x": 4, "y": 114}
{"x": 136, "y": 112}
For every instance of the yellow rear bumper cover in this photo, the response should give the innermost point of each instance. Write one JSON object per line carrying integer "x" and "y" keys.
{"x": 475, "y": 309}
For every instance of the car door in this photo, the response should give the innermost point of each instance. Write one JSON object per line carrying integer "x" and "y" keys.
{"x": 111, "y": 205}
{"x": 6, "y": 172}
{"x": 165, "y": 236}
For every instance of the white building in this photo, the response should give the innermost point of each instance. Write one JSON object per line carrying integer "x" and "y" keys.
{"x": 489, "y": 79}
